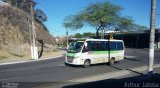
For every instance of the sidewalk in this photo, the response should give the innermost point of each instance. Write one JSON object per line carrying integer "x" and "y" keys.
{"x": 138, "y": 81}
{"x": 157, "y": 50}
{"x": 46, "y": 55}
{"x": 134, "y": 79}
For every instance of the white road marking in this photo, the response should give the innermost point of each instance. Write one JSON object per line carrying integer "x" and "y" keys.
{"x": 8, "y": 63}
{"x": 8, "y": 79}
{"x": 127, "y": 56}
{"x": 61, "y": 65}
{"x": 157, "y": 66}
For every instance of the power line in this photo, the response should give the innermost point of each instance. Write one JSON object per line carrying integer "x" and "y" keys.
{"x": 48, "y": 9}
{"x": 55, "y": 31}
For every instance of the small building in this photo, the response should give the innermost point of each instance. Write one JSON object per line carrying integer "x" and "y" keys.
{"x": 136, "y": 39}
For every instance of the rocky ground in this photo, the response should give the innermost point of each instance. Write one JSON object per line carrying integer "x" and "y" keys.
{"x": 15, "y": 27}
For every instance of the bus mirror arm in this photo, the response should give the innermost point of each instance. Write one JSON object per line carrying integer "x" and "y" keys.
{"x": 84, "y": 50}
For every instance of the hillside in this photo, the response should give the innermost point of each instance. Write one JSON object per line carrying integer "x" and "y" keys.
{"x": 14, "y": 32}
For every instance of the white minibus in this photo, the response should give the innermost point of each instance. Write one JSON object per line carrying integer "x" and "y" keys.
{"x": 94, "y": 51}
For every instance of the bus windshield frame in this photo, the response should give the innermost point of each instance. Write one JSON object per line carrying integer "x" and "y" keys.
{"x": 75, "y": 47}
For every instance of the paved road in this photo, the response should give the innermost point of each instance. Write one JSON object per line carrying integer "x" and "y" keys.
{"x": 54, "y": 70}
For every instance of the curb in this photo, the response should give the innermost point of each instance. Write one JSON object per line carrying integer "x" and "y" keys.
{"x": 30, "y": 60}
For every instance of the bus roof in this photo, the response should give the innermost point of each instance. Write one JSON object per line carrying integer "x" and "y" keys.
{"x": 102, "y": 40}
{"x": 78, "y": 39}
{"x": 89, "y": 39}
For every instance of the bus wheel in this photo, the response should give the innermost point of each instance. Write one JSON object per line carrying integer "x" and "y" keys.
{"x": 87, "y": 63}
{"x": 112, "y": 60}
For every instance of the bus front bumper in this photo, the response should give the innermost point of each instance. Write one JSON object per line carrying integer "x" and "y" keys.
{"x": 74, "y": 61}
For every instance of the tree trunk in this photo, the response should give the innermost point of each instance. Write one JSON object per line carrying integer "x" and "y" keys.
{"x": 97, "y": 35}
{"x": 41, "y": 52}
{"x": 97, "y": 32}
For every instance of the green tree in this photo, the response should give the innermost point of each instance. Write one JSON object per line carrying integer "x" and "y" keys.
{"x": 137, "y": 27}
{"x": 84, "y": 35}
{"x": 73, "y": 22}
{"x": 40, "y": 15}
{"x": 78, "y": 35}
{"x": 101, "y": 16}
{"x": 88, "y": 34}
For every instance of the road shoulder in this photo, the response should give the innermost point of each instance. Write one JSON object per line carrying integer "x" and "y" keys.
{"x": 47, "y": 56}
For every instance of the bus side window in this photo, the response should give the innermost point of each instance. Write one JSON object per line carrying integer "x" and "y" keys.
{"x": 112, "y": 45}
{"x": 90, "y": 46}
{"x": 97, "y": 45}
{"x": 103, "y": 46}
{"x": 119, "y": 45}
{"x": 94, "y": 46}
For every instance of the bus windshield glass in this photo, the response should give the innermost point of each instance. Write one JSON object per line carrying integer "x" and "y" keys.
{"x": 75, "y": 47}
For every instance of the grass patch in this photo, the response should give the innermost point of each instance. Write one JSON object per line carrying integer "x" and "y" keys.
{"x": 2, "y": 57}
{"x": 17, "y": 55}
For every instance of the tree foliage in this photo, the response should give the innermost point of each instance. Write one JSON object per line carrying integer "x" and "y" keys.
{"x": 88, "y": 34}
{"x": 102, "y": 15}
{"x": 40, "y": 15}
{"x": 136, "y": 27}
{"x": 84, "y": 35}
{"x": 73, "y": 22}
{"x": 78, "y": 35}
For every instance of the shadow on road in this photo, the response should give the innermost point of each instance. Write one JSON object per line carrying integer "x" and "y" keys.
{"x": 135, "y": 60}
{"x": 130, "y": 82}
{"x": 93, "y": 65}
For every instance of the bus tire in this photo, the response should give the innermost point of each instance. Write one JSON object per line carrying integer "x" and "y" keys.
{"x": 111, "y": 61}
{"x": 66, "y": 64}
{"x": 87, "y": 63}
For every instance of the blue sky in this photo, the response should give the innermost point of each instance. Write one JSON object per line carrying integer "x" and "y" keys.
{"x": 57, "y": 10}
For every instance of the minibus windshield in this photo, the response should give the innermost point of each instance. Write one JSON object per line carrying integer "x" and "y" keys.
{"x": 75, "y": 47}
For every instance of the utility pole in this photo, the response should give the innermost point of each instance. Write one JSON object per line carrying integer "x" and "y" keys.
{"x": 34, "y": 51}
{"x": 16, "y": 3}
{"x": 102, "y": 34}
{"x": 152, "y": 38}
{"x": 67, "y": 37}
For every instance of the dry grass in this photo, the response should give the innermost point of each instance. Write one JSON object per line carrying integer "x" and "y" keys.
{"x": 52, "y": 54}
{"x": 7, "y": 57}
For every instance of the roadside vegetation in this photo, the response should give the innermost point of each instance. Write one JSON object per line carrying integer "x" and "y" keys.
{"x": 102, "y": 16}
